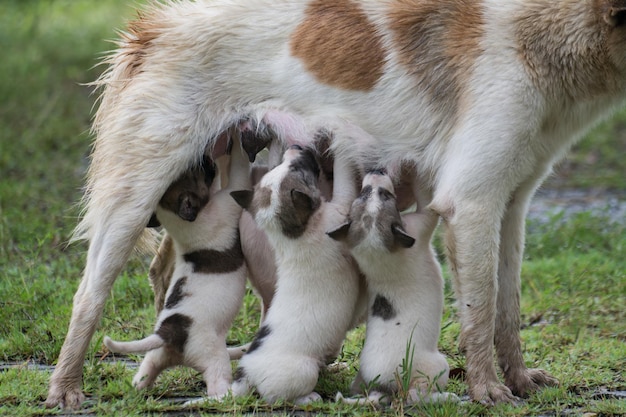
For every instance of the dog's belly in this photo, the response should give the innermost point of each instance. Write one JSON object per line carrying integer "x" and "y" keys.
{"x": 250, "y": 68}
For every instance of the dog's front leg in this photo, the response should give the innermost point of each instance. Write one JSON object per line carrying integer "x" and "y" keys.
{"x": 107, "y": 254}
{"x": 472, "y": 239}
{"x": 518, "y": 378}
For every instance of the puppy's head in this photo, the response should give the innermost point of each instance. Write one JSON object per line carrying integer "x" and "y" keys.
{"x": 374, "y": 218}
{"x": 191, "y": 192}
{"x": 287, "y": 196}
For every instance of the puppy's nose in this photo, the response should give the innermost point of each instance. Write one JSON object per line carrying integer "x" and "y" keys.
{"x": 297, "y": 147}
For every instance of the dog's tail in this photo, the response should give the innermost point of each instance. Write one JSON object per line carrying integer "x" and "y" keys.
{"x": 151, "y": 342}
{"x": 237, "y": 352}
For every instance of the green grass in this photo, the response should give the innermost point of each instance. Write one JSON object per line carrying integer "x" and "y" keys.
{"x": 574, "y": 279}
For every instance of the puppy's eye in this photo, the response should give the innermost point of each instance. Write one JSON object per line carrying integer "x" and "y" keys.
{"x": 385, "y": 195}
{"x": 366, "y": 192}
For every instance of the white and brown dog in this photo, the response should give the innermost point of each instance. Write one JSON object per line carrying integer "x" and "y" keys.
{"x": 317, "y": 287}
{"x": 483, "y": 96}
{"x": 405, "y": 292}
{"x": 208, "y": 283}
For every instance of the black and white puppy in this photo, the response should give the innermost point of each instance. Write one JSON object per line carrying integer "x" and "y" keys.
{"x": 317, "y": 281}
{"x": 405, "y": 292}
{"x": 208, "y": 282}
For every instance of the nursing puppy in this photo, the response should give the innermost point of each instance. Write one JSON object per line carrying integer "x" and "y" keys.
{"x": 405, "y": 291}
{"x": 317, "y": 283}
{"x": 483, "y": 96}
{"x": 258, "y": 252}
{"x": 208, "y": 282}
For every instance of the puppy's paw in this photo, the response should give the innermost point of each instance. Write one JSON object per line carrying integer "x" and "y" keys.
{"x": 309, "y": 398}
{"x": 374, "y": 398}
{"x": 415, "y": 396}
{"x": 530, "y": 380}
{"x": 196, "y": 402}
{"x": 337, "y": 367}
{"x": 142, "y": 381}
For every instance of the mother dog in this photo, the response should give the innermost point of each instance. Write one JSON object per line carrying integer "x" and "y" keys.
{"x": 482, "y": 95}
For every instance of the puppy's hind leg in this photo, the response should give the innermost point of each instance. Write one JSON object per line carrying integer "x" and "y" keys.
{"x": 241, "y": 384}
{"x": 217, "y": 374}
{"x": 309, "y": 398}
{"x": 152, "y": 365}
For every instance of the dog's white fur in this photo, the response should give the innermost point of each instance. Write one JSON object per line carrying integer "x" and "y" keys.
{"x": 405, "y": 292}
{"x": 483, "y": 96}
{"x": 317, "y": 285}
{"x": 200, "y": 305}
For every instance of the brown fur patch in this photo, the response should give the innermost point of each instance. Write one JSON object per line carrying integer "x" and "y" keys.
{"x": 438, "y": 43}
{"x": 137, "y": 39}
{"x": 385, "y": 218}
{"x": 339, "y": 45}
{"x": 263, "y": 332}
{"x": 174, "y": 330}
{"x": 210, "y": 261}
{"x": 383, "y": 308}
{"x": 564, "y": 50}
{"x": 299, "y": 194}
{"x": 262, "y": 197}
{"x": 294, "y": 213}
{"x": 177, "y": 293}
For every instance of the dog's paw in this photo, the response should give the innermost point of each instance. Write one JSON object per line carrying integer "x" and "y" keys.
{"x": 492, "y": 393}
{"x": 530, "y": 380}
{"x": 67, "y": 398}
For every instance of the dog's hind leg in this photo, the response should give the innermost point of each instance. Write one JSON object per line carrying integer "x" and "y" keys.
{"x": 518, "y": 378}
{"x": 471, "y": 196}
{"x": 472, "y": 239}
{"x": 107, "y": 254}
{"x": 117, "y": 213}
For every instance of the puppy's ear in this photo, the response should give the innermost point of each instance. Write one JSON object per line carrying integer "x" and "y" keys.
{"x": 340, "y": 233}
{"x": 210, "y": 170}
{"x": 243, "y": 197}
{"x": 615, "y": 13}
{"x": 153, "y": 222}
{"x": 302, "y": 201}
{"x": 400, "y": 237}
{"x": 304, "y": 205}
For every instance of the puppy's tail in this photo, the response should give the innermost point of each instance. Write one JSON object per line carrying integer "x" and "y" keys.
{"x": 151, "y": 342}
{"x": 238, "y": 351}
